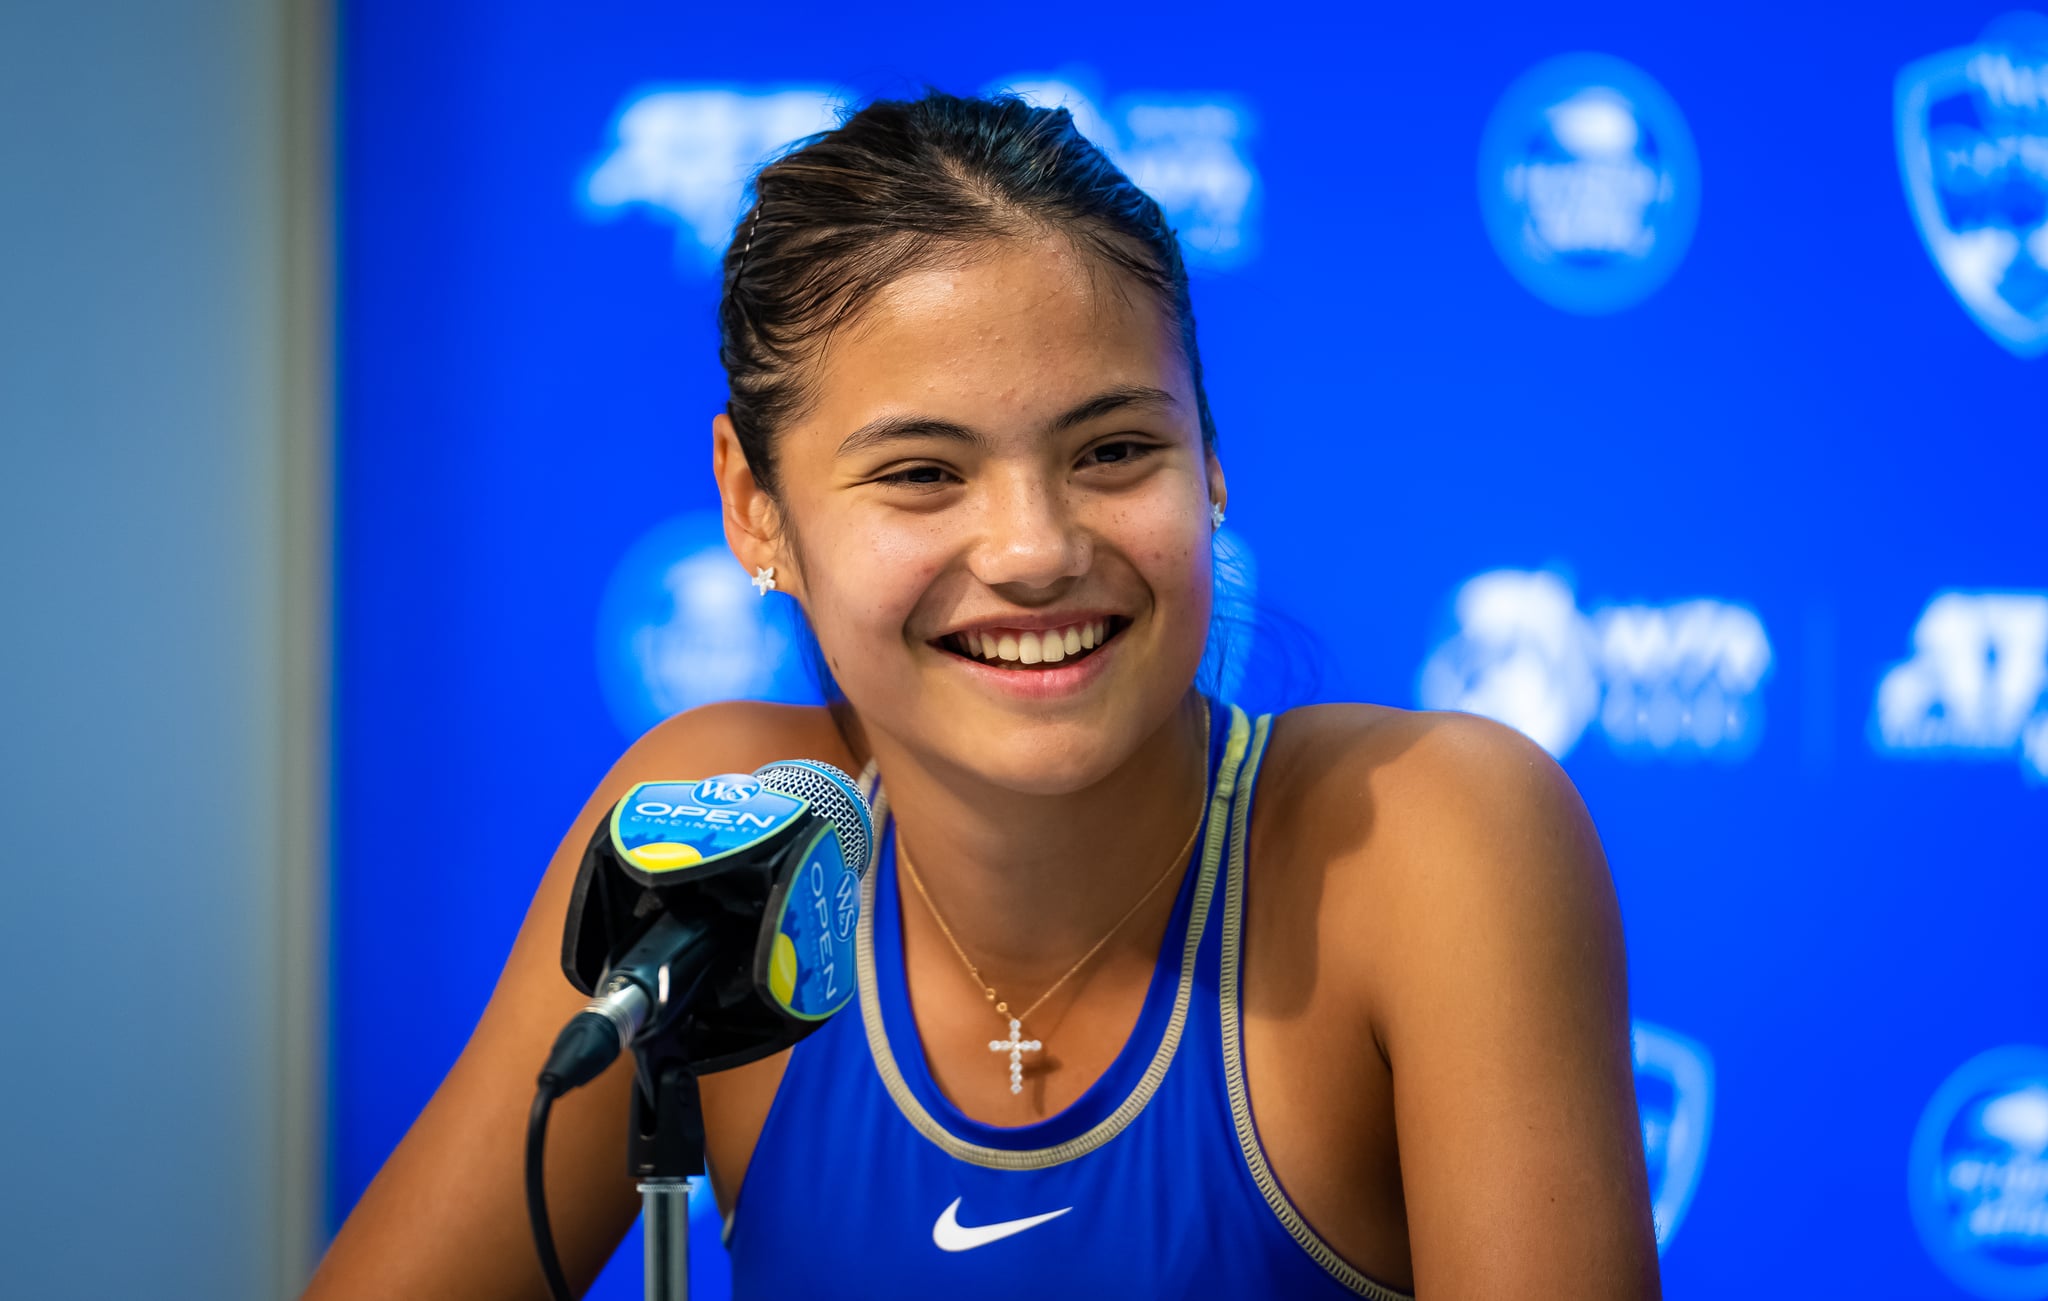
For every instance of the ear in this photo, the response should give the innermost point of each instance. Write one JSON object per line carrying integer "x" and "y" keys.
{"x": 753, "y": 522}
{"x": 1217, "y": 490}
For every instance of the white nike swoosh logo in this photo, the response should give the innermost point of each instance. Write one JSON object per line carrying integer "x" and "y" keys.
{"x": 951, "y": 1235}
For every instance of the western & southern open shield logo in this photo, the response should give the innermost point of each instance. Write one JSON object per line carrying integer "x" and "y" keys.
{"x": 1973, "y": 151}
{"x": 1675, "y": 1098}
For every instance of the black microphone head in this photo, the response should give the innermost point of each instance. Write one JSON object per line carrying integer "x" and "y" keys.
{"x": 834, "y": 797}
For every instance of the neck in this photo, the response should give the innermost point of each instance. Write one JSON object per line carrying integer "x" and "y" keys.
{"x": 1028, "y": 882}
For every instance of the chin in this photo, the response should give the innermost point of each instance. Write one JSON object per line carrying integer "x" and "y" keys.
{"x": 1043, "y": 736}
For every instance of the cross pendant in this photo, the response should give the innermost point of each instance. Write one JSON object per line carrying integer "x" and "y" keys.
{"x": 1016, "y": 1045}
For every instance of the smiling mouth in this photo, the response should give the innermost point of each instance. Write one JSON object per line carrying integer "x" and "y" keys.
{"x": 1029, "y": 650}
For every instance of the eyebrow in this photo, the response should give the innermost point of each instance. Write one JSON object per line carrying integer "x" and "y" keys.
{"x": 893, "y": 429}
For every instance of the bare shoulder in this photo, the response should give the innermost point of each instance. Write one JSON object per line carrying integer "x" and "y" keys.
{"x": 734, "y": 736}
{"x": 1420, "y": 824}
{"x": 1447, "y": 895}
{"x": 1418, "y": 768}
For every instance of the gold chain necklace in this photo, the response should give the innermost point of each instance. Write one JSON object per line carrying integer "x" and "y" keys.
{"x": 1017, "y": 1045}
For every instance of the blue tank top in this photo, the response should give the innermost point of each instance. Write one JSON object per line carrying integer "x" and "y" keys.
{"x": 867, "y": 1182}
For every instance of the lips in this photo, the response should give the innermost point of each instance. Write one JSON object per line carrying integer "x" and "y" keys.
{"x": 1027, "y": 648}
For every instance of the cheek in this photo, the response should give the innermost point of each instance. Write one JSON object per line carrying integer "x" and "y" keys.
{"x": 864, "y": 583}
{"x": 1174, "y": 563}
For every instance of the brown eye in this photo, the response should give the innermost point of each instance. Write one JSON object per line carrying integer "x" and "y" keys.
{"x": 1116, "y": 453}
{"x": 917, "y": 476}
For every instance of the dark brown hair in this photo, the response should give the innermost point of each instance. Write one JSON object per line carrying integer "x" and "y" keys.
{"x": 903, "y": 185}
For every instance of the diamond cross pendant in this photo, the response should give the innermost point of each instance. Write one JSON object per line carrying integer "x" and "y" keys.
{"x": 1016, "y": 1045}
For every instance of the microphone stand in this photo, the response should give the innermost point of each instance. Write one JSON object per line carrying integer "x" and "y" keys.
{"x": 665, "y": 1149}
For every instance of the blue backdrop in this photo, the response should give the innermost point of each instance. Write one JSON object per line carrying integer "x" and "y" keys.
{"x": 1663, "y": 380}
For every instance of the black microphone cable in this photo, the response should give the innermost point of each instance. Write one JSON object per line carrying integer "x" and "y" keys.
{"x": 590, "y": 1042}
{"x": 537, "y": 1189}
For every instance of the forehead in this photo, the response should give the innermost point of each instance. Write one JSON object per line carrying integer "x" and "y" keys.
{"x": 1009, "y": 336}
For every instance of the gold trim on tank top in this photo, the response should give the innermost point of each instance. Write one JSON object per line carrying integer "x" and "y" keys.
{"x": 996, "y": 1158}
{"x": 1233, "y": 1052}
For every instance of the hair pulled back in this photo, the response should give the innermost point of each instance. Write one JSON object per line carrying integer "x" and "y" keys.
{"x": 901, "y": 186}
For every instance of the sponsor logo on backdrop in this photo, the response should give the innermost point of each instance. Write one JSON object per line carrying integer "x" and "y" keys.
{"x": 680, "y": 625}
{"x": 1973, "y": 152}
{"x": 1978, "y": 1175}
{"x": 1683, "y": 678}
{"x": 1675, "y": 1099}
{"x": 1589, "y": 183}
{"x": 1190, "y": 152}
{"x": 1976, "y": 685}
{"x": 685, "y": 153}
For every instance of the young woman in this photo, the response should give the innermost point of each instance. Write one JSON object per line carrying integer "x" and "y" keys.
{"x": 1320, "y": 1005}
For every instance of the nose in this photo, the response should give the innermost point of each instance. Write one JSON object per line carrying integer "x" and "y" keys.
{"x": 1029, "y": 539}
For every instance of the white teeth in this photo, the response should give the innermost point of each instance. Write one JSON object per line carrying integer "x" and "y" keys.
{"x": 1049, "y": 646}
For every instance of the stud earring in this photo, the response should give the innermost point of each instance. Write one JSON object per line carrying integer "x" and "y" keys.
{"x": 1215, "y": 515}
{"x": 764, "y": 580}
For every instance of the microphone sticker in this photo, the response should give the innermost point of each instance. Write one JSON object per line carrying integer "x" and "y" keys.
{"x": 810, "y": 966}
{"x": 663, "y": 827}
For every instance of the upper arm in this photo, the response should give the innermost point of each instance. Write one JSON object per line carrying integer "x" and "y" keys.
{"x": 446, "y": 1216}
{"x": 1500, "y": 997}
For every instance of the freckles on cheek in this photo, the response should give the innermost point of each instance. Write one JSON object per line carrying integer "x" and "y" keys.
{"x": 885, "y": 576}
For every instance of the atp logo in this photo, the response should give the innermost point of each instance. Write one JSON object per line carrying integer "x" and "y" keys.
{"x": 1978, "y": 1175}
{"x": 1973, "y": 152}
{"x": 685, "y": 153}
{"x": 1589, "y": 183}
{"x": 680, "y": 626}
{"x": 1675, "y": 1100}
{"x": 1685, "y": 678}
{"x": 1974, "y": 686}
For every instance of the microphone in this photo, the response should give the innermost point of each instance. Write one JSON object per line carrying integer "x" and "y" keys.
{"x": 718, "y": 913}
{"x": 712, "y": 924}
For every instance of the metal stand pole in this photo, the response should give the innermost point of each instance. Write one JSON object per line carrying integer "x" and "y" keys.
{"x": 664, "y": 1149}
{"x": 665, "y": 1220}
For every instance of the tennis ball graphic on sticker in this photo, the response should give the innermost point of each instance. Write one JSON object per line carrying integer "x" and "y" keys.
{"x": 663, "y": 856}
{"x": 782, "y": 971}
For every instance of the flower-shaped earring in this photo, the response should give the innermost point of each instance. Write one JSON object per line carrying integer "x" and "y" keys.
{"x": 1215, "y": 515}
{"x": 764, "y": 580}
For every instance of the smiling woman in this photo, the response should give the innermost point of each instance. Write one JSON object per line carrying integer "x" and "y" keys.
{"x": 1138, "y": 1034}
